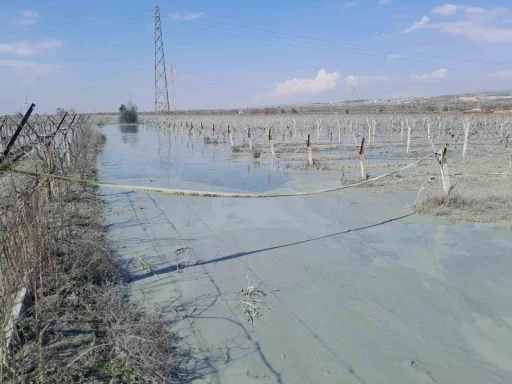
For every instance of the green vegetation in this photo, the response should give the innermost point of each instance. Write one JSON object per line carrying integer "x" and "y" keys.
{"x": 128, "y": 113}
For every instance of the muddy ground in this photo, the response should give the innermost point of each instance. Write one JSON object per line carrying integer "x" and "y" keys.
{"x": 345, "y": 287}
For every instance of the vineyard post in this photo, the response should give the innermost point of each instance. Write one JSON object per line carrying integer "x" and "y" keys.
{"x": 310, "y": 153}
{"x": 467, "y": 124}
{"x": 230, "y": 137}
{"x": 360, "y": 149}
{"x": 17, "y": 133}
{"x": 443, "y": 164}
{"x": 271, "y": 142}
{"x": 409, "y": 129}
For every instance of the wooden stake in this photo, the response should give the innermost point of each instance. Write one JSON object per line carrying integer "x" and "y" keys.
{"x": 310, "y": 152}
{"x": 360, "y": 149}
{"x": 230, "y": 137}
{"x": 49, "y": 166}
{"x": 67, "y": 156}
{"x": 467, "y": 124}
{"x": 374, "y": 126}
{"x": 271, "y": 142}
{"x": 408, "y": 136}
{"x": 441, "y": 160}
{"x": 250, "y": 138}
{"x": 318, "y": 123}
{"x": 369, "y": 131}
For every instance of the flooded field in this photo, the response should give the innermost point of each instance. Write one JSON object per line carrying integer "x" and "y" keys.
{"x": 344, "y": 287}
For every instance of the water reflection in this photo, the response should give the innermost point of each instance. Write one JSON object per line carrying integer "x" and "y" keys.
{"x": 153, "y": 154}
{"x": 129, "y": 128}
{"x": 130, "y": 133}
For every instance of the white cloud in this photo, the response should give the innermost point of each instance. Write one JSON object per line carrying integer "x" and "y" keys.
{"x": 500, "y": 75}
{"x": 186, "y": 16}
{"x": 475, "y": 32}
{"x": 476, "y": 23}
{"x": 445, "y": 10}
{"x": 324, "y": 81}
{"x": 25, "y": 48}
{"x": 418, "y": 25}
{"x": 436, "y": 75}
{"x": 481, "y": 15}
{"x": 29, "y": 68}
{"x": 396, "y": 56}
{"x": 384, "y": 2}
{"x": 27, "y": 18}
{"x": 350, "y": 4}
{"x": 475, "y": 12}
{"x": 355, "y": 79}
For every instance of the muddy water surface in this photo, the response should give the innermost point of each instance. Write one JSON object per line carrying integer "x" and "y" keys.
{"x": 134, "y": 154}
{"x": 357, "y": 289}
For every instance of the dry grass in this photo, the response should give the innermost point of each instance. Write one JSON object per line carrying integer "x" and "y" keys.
{"x": 482, "y": 190}
{"x": 209, "y": 140}
{"x": 462, "y": 208}
{"x": 79, "y": 327}
{"x": 251, "y": 299}
{"x": 237, "y": 148}
{"x": 256, "y": 153}
{"x": 317, "y": 165}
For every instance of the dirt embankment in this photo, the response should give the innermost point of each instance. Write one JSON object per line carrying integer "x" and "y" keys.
{"x": 481, "y": 190}
{"x": 78, "y": 327}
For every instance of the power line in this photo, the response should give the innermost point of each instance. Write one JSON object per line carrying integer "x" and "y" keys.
{"x": 342, "y": 44}
{"x": 83, "y": 89}
{"x": 331, "y": 47}
{"x": 362, "y": 50}
{"x": 301, "y": 45}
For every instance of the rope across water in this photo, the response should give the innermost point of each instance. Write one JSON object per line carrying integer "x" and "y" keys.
{"x": 191, "y": 193}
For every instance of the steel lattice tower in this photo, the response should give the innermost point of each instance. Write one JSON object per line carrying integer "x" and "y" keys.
{"x": 161, "y": 91}
{"x": 172, "y": 85}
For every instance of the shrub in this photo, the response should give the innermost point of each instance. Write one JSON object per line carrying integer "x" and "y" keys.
{"x": 236, "y": 148}
{"x": 256, "y": 153}
{"x": 208, "y": 140}
{"x": 128, "y": 113}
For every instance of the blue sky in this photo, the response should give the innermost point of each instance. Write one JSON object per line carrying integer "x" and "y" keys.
{"x": 96, "y": 55}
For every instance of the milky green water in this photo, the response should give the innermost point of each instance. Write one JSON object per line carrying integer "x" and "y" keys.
{"x": 358, "y": 289}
